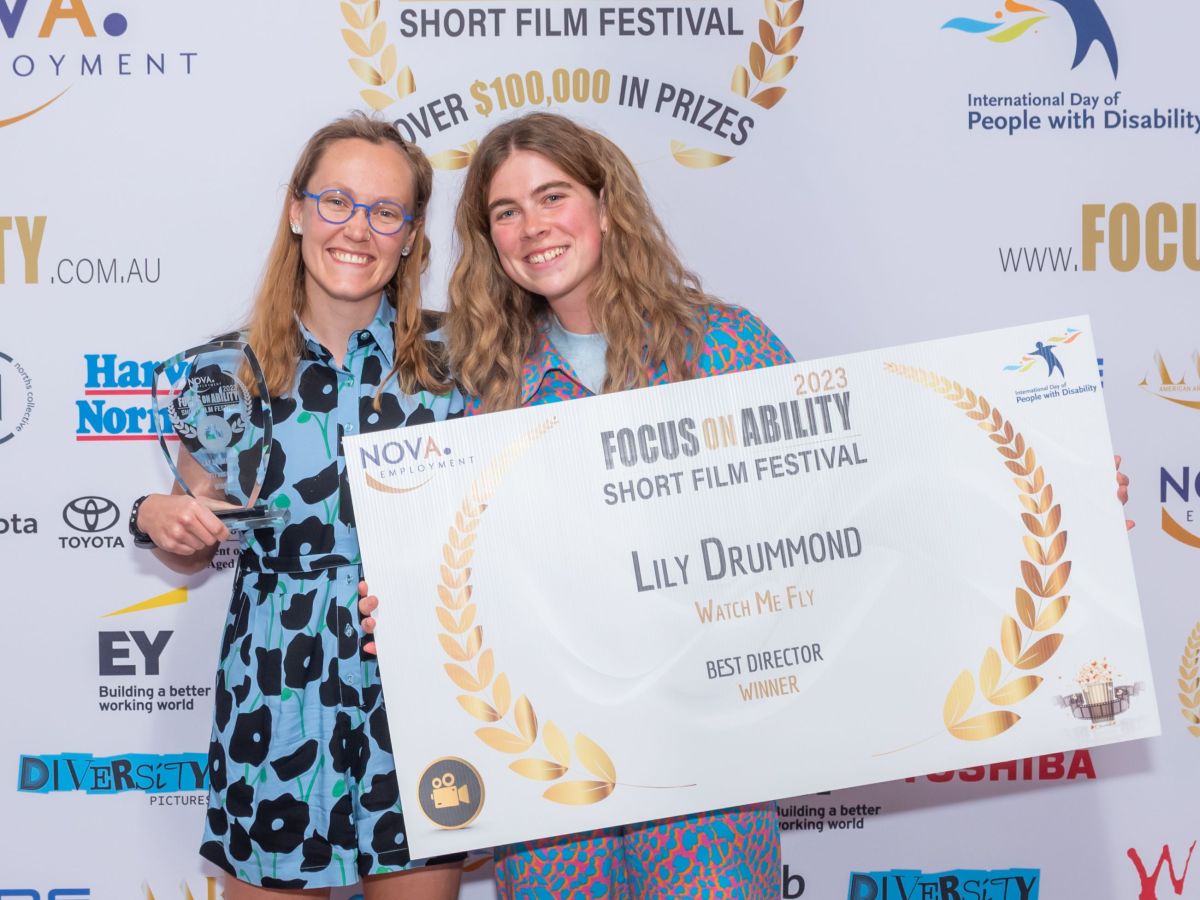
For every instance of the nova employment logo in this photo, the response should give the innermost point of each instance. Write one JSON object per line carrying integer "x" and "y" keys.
{"x": 1179, "y": 494}
{"x": 955, "y": 884}
{"x": 117, "y": 399}
{"x": 1015, "y": 19}
{"x": 51, "y": 50}
{"x": 407, "y": 464}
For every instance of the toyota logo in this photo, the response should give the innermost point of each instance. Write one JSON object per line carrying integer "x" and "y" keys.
{"x": 91, "y": 514}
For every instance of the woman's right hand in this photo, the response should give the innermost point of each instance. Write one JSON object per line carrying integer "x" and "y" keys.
{"x": 182, "y": 525}
{"x": 367, "y": 604}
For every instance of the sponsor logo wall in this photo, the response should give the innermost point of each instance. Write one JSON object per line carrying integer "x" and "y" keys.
{"x": 859, "y": 180}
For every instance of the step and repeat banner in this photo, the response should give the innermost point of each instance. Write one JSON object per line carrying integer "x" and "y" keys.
{"x": 860, "y": 176}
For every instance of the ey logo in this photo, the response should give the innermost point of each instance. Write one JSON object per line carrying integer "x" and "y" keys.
{"x": 1148, "y": 881}
{"x": 114, "y": 645}
{"x": 29, "y": 233}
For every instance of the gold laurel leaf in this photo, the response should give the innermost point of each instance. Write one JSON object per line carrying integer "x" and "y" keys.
{"x": 1034, "y": 549}
{"x": 958, "y": 700}
{"x": 741, "y": 81}
{"x": 453, "y": 625}
{"x": 1015, "y": 691}
{"x": 502, "y": 694}
{"x": 1039, "y": 652}
{"x": 365, "y": 71}
{"x": 387, "y": 63}
{"x": 1010, "y": 639}
{"x": 462, "y": 677}
{"x": 1058, "y": 579}
{"x": 758, "y": 60}
{"x": 350, "y": 14}
{"x": 487, "y": 666}
{"x": 1057, "y": 548}
{"x": 1039, "y": 478}
{"x": 1190, "y": 716}
{"x": 504, "y": 741}
{"x": 526, "y": 719}
{"x": 1028, "y": 502}
{"x": 1053, "y": 520}
{"x": 1046, "y": 499}
{"x": 556, "y": 743}
{"x": 1018, "y": 448}
{"x": 1025, "y": 608}
{"x": 378, "y": 33}
{"x": 999, "y": 438}
{"x": 462, "y": 558}
{"x": 768, "y": 97}
{"x": 475, "y": 640}
{"x": 370, "y": 13}
{"x": 355, "y": 43}
{"x": 989, "y": 671}
{"x": 988, "y": 725}
{"x": 452, "y": 648}
{"x": 766, "y": 34}
{"x": 579, "y": 793}
{"x": 1195, "y": 730}
{"x": 792, "y": 14}
{"x": 480, "y": 709}
{"x": 779, "y": 69}
{"x": 772, "y": 10}
{"x": 450, "y": 160}
{"x": 1033, "y": 579}
{"x": 377, "y": 100}
{"x": 997, "y": 419}
{"x": 1016, "y": 468}
{"x": 789, "y": 40}
{"x": 460, "y": 541}
{"x": 1034, "y": 524}
{"x": 695, "y": 157}
{"x": 1187, "y": 700}
{"x": 1052, "y": 613}
{"x": 538, "y": 769}
{"x": 594, "y": 759}
{"x": 454, "y": 579}
{"x": 405, "y": 85}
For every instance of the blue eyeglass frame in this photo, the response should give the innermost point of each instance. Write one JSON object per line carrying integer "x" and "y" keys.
{"x": 354, "y": 204}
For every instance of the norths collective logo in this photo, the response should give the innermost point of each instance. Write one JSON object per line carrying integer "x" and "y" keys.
{"x": 1016, "y": 19}
{"x": 116, "y": 404}
{"x": 50, "y": 50}
{"x": 16, "y": 397}
{"x": 956, "y": 884}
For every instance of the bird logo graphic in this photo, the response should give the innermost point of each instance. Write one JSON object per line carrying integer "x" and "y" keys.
{"x": 1017, "y": 18}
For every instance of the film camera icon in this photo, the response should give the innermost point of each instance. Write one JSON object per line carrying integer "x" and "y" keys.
{"x": 445, "y": 795}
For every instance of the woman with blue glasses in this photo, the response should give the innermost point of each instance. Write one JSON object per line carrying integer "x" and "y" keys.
{"x": 303, "y": 786}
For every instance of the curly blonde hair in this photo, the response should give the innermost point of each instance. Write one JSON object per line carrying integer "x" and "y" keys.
{"x": 272, "y": 328}
{"x": 649, "y": 307}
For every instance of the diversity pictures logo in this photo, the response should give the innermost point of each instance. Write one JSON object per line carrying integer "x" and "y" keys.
{"x": 1164, "y": 384}
{"x": 1044, "y": 352}
{"x": 1016, "y": 19}
{"x": 955, "y": 884}
{"x": 149, "y": 773}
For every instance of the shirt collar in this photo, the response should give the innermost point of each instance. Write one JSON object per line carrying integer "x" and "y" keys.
{"x": 539, "y": 362}
{"x": 381, "y": 329}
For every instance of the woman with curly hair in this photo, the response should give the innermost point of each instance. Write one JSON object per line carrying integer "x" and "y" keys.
{"x": 303, "y": 785}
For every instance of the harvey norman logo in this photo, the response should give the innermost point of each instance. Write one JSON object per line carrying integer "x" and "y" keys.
{"x": 116, "y": 404}
{"x": 405, "y": 464}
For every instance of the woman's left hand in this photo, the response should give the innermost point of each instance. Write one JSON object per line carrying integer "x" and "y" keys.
{"x": 367, "y": 604}
{"x": 1123, "y": 489}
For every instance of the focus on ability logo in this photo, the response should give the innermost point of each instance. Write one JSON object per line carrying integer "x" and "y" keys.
{"x": 1016, "y": 19}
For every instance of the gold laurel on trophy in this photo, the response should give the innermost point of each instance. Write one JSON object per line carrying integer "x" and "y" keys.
{"x": 1189, "y": 681}
{"x": 488, "y": 695}
{"x": 374, "y": 59}
{"x": 1045, "y": 544}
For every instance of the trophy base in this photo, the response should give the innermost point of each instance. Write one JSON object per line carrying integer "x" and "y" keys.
{"x": 250, "y": 518}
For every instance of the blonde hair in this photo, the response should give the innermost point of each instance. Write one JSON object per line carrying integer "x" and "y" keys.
{"x": 648, "y": 306}
{"x": 272, "y": 327}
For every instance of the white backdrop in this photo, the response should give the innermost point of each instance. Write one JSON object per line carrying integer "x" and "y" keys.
{"x": 862, "y": 210}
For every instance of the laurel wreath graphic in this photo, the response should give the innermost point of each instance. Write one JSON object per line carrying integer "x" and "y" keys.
{"x": 778, "y": 35}
{"x": 511, "y": 727}
{"x": 1189, "y": 681}
{"x": 1045, "y": 545}
{"x": 374, "y": 59}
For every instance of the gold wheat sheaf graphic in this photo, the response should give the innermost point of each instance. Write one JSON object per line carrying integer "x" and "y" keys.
{"x": 511, "y": 727}
{"x": 1189, "y": 681}
{"x": 1045, "y": 544}
{"x": 374, "y": 59}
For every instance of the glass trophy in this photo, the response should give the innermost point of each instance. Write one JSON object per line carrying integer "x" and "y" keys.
{"x": 225, "y": 426}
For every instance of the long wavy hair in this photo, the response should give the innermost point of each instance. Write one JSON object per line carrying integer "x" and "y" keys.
{"x": 649, "y": 307}
{"x": 272, "y": 327}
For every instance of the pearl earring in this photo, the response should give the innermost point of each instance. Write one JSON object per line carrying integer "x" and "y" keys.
{"x": 295, "y": 228}
{"x": 405, "y": 251}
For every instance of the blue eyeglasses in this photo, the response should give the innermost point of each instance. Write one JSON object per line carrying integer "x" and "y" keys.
{"x": 337, "y": 208}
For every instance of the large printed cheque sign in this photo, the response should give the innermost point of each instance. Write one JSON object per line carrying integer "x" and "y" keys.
{"x": 752, "y": 586}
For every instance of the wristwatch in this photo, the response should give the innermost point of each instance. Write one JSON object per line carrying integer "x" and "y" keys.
{"x": 140, "y": 538}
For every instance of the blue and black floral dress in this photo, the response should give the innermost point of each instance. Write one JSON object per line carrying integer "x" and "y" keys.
{"x": 304, "y": 791}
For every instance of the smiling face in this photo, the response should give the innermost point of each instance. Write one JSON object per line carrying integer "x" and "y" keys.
{"x": 350, "y": 263}
{"x": 547, "y": 228}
